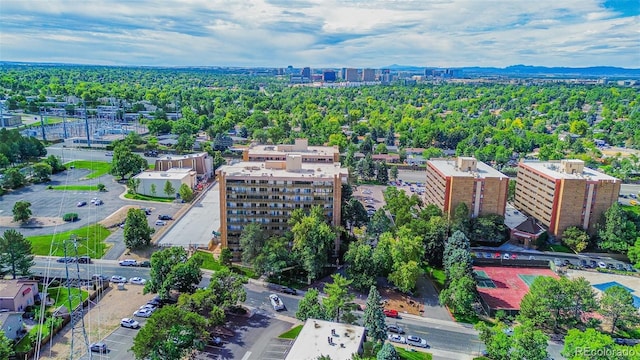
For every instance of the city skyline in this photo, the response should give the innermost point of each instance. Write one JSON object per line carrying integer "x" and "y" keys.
{"x": 335, "y": 33}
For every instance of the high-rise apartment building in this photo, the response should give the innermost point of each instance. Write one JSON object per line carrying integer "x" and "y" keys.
{"x": 466, "y": 180}
{"x": 266, "y": 192}
{"x": 350, "y": 75}
{"x": 306, "y": 73}
{"x": 309, "y": 154}
{"x": 368, "y": 75}
{"x": 328, "y": 76}
{"x": 564, "y": 193}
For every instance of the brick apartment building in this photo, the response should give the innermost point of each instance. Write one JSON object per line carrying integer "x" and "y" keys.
{"x": 451, "y": 182}
{"x": 565, "y": 193}
{"x": 266, "y": 192}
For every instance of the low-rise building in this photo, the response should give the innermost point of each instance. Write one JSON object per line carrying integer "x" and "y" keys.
{"x": 12, "y": 325}
{"x": 16, "y": 295}
{"x": 336, "y": 340}
{"x": 152, "y": 183}
{"x": 309, "y": 154}
{"x": 201, "y": 163}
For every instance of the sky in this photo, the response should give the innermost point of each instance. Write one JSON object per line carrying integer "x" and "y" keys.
{"x": 322, "y": 33}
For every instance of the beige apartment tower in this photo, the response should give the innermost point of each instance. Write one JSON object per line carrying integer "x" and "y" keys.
{"x": 565, "y": 193}
{"x": 267, "y": 192}
{"x": 309, "y": 154}
{"x": 481, "y": 187}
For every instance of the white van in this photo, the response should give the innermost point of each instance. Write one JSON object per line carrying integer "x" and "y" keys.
{"x": 128, "y": 262}
{"x": 276, "y": 302}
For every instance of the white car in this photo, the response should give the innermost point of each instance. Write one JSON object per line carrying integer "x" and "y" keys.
{"x": 149, "y": 307}
{"x": 129, "y": 323}
{"x": 137, "y": 281}
{"x": 161, "y": 223}
{"x": 416, "y": 341}
{"x": 145, "y": 313}
{"x": 397, "y": 339}
{"x": 118, "y": 279}
{"x": 602, "y": 265}
{"x": 276, "y": 302}
{"x": 128, "y": 262}
{"x": 93, "y": 201}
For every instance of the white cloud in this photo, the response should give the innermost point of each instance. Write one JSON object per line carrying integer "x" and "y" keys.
{"x": 319, "y": 32}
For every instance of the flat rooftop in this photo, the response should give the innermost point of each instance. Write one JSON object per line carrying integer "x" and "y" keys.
{"x": 313, "y": 341}
{"x": 181, "y": 157}
{"x": 246, "y": 169}
{"x": 553, "y": 169}
{"x": 171, "y": 174}
{"x": 448, "y": 167}
{"x": 274, "y": 149}
{"x": 513, "y": 217}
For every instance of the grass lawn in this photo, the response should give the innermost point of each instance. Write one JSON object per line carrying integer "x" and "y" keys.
{"x": 151, "y": 166}
{"x": 208, "y": 261}
{"x": 61, "y": 297}
{"x": 437, "y": 275}
{"x": 148, "y": 198}
{"x": 246, "y": 271}
{"x": 98, "y": 168}
{"x": 560, "y": 248}
{"x": 291, "y": 334}
{"x": 24, "y": 345}
{"x": 74, "y": 187}
{"x": 412, "y": 355}
{"x": 90, "y": 241}
{"x": 631, "y": 208}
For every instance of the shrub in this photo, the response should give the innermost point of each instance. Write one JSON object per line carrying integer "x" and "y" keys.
{"x": 102, "y": 187}
{"x": 70, "y": 217}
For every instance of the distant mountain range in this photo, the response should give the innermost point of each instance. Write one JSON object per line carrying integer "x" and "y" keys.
{"x": 538, "y": 71}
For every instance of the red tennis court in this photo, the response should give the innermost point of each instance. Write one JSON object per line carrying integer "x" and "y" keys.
{"x": 504, "y": 287}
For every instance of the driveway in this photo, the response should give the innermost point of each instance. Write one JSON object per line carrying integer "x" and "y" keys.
{"x": 197, "y": 225}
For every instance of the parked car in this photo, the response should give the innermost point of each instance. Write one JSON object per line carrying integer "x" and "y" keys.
{"x": 161, "y": 223}
{"x": 84, "y": 260}
{"x": 81, "y": 203}
{"x": 531, "y": 257}
{"x": 397, "y": 339}
{"x": 98, "y": 347}
{"x": 497, "y": 255}
{"x": 148, "y": 307}
{"x": 602, "y": 265}
{"x": 276, "y": 302}
{"x": 108, "y": 153}
{"x": 137, "y": 281}
{"x": 557, "y": 262}
{"x": 93, "y": 201}
{"x": 583, "y": 263}
{"x": 391, "y": 313}
{"x": 145, "y": 313}
{"x": 99, "y": 202}
{"x": 288, "y": 290}
{"x": 593, "y": 264}
{"x": 417, "y": 341}
{"x": 506, "y": 256}
{"x": 129, "y": 323}
{"x": 514, "y": 256}
{"x": 99, "y": 277}
{"x": 128, "y": 262}
{"x": 620, "y": 267}
{"x": 66, "y": 260}
{"x": 630, "y": 268}
{"x": 566, "y": 262}
{"x": 487, "y": 255}
{"x": 118, "y": 279}
{"x": 164, "y": 217}
{"x": 610, "y": 266}
{"x": 395, "y": 329}
{"x": 145, "y": 263}
{"x": 216, "y": 341}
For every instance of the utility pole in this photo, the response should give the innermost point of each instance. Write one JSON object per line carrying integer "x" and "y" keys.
{"x": 86, "y": 123}
{"x": 44, "y": 136}
{"x": 80, "y": 347}
{"x": 64, "y": 124}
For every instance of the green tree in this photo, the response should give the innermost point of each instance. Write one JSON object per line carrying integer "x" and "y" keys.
{"x": 388, "y": 352}
{"x": 124, "y": 162}
{"x": 153, "y": 189}
{"x": 393, "y": 172}
{"x": 162, "y": 263}
{"x": 6, "y": 346}
{"x": 251, "y": 242}
{"x": 575, "y": 238}
{"x": 496, "y": 341}
{"x": 362, "y": 271}
{"x": 137, "y": 232}
{"x": 457, "y": 250}
{"x": 169, "y": 190}
{"x": 589, "y": 344}
{"x": 226, "y": 256}
{"x": 379, "y": 224}
{"x": 312, "y": 240}
{"x": 618, "y": 232}
{"x": 184, "y": 277}
{"x": 16, "y": 253}
{"x": 406, "y": 275}
{"x": 382, "y": 172}
{"x": 227, "y": 288}
{"x": 338, "y": 296}
{"x": 42, "y": 172}
{"x": 310, "y": 307}
{"x": 22, "y": 211}
{"x": 616, "y": 305}
{"x": 460, "y": 220}
{"x": 185, "y": 192}
{"x": 203, "y": 302}
{"x": 529, "y": 343}
{"x": 374, "y": 318}
{"x": 460, "y": 293}
{"x": 170, "y": 334}
{"x": 275, "y": 256}
{"x": 134, "y": 184}
{"x": 14, "y": 179}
